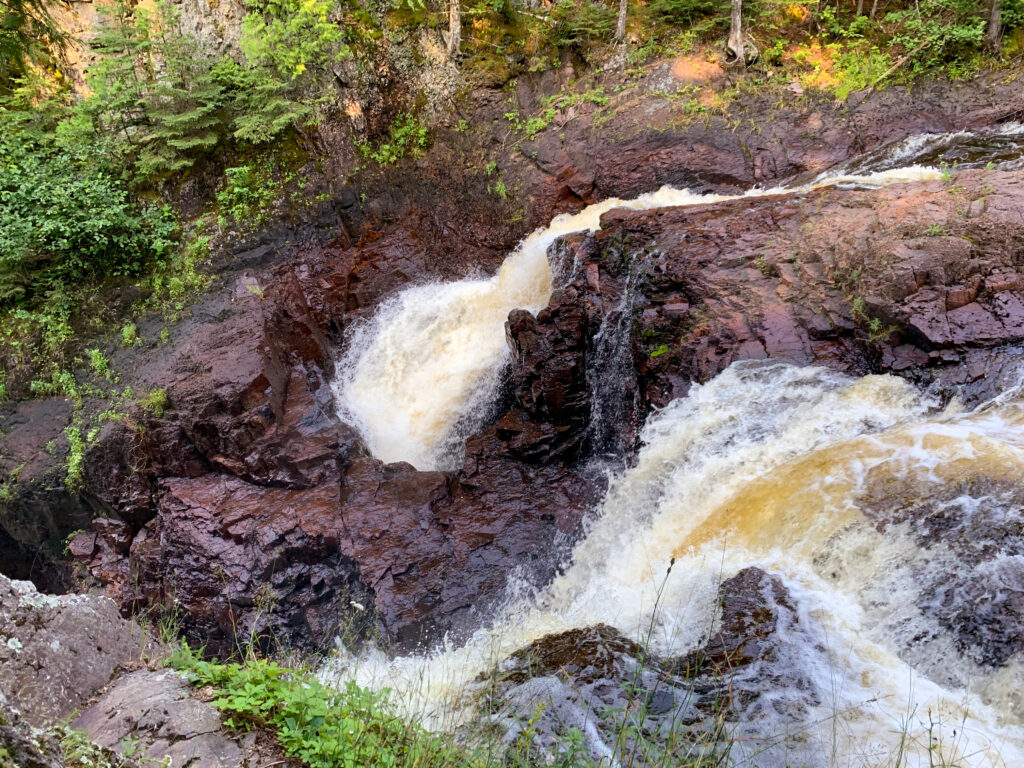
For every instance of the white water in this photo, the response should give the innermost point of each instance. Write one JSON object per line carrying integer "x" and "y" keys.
{"x": 768, "y": 465}
{"x": 419, "y": 377}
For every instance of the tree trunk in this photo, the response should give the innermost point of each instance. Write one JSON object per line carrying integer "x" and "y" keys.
{"x": 874, "y": 7}
{"x": 454, "y": 28}
{"x": 735, "y": 44}
{"x": 860, "y": 7}
{"x": 995, "y": 26}
{"x": 620, "y": 26}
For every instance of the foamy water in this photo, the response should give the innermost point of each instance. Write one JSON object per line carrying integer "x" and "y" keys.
{"x": 768, "y": 465}
{"x": 419, "y": 376}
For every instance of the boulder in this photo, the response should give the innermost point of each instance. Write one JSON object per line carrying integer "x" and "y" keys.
{"x": 153, "y": 715}
{"x": 56, "y": 652}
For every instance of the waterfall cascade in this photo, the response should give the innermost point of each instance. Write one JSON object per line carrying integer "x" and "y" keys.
{"x": 843, "y": 488}
{"x": 417, "y": 378}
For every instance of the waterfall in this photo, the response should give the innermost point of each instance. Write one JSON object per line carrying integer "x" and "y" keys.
{"x": 416, "y": 379}
{"x": 782, "y": 467}
{"x": 845, "y": 489}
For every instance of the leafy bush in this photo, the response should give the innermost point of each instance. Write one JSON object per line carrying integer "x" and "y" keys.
{"x": 290, "y": 36}
{"x": 65, "y": 218}
{"x": 248, "y": 194}
{"x": 573, "y": 25}
{"x": 406, "y": 136}
{"x": 322, "y": 727}
{"x": 155, "y": 402}
{"x": 687, "y": 11}
{"x": 939, "y": 31}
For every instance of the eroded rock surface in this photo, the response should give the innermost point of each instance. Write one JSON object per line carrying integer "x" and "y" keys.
{"x": 56, "y": 652}
{"x": 902, "y": 279}
{"x": 22, "y": 746}
{"x": 608, "y": 687}
{"x": 153, "y": 713}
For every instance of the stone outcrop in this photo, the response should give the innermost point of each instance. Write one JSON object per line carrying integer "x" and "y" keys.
{"x": 22, "y": 746}
{"x": 57, "y": 651}
{"x": 155, "y": 714}
{"x": 611, "y": 688}
{"x": 907, "y": 280}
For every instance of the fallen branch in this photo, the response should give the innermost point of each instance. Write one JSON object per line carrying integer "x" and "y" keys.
{"x": 903, "y": 60}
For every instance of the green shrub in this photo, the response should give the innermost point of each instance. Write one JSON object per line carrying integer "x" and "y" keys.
{"x": 99, "y": 364}
{"x": 76, "y": 454}
{"x": 248, "y": 194}
{"x": 322, "y": 727}
{"x": 575, "y": 25}
{"x": 407, "y": 136}
{"x": 155, "y": 402}
{"x": 687, "y": 11}
{"x": 291, "y": 36}
{"x": 66, "y": 218}
{"x": 941, "y": 32}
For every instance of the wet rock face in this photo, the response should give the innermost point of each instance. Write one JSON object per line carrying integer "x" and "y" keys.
{"x": 56, "y": 652}
{"x": 842, "y": 278}
{"x": 606, "y": 686}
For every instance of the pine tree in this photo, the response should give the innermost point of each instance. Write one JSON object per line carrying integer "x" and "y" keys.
{"x": 184, "y": 106}
{"x": 120, "y": 80}
{"x": 28, "y": 33}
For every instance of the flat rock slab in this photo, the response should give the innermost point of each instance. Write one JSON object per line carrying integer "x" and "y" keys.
{"x": 151, "y": 713}
{"x": 56, "y": 652}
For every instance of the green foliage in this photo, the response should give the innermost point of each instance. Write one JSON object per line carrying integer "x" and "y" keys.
{"x": 574, "y": 25}
{"x": 291, "y": 36}
{"x": 322, "y": 727}
{"x": 130, "y": 335}
{"x": 552, "y": 107}
{"x": 860, "y": 69}
{"x": 27, "y": 34}
{"x": 247, "y": 195}
{"x": 153, "y": 88}
{"x": 407, "y": 136}
{"x": 943, "y": 31}
{"x": 155, "y": 402}
{"x": 76, "y": 454}
{"x": 264, "y": 104}
{"x": 660, "y": 350}
{"x": 688, "y": 11}
{"x": 99, "y": 364}
{"x": 79, "y": 749}
{"x": 498, "y": 188}
{"x": 66, "y": 218}
{"x": 1013, "y": 14}
{"x": 173, "y": 279}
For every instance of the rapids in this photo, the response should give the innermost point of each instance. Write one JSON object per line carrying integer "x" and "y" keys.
{"x": 829, "y": 482}
{"x": 775, "y": 466}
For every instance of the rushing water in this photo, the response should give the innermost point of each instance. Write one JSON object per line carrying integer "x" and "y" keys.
{"x": 771, "y": 465}
{"x": 417, "y": 378}
{"x": 834, "y": 484}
